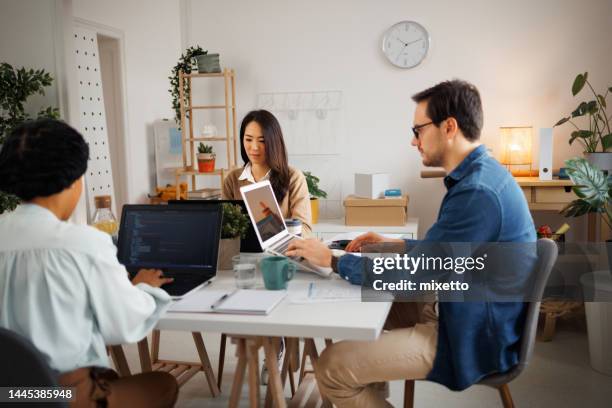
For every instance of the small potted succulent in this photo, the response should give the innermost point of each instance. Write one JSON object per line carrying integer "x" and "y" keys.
{"x": 315, "y": 193}
{"x": 206, "y": 158}
{"x": 234, "y": 226}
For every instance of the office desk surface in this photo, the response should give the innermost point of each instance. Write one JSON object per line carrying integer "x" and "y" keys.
{"x": 348, "y": 320}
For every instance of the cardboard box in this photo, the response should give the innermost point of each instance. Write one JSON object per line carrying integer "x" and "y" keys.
{"x": 371, "y": 185}
{"x": 376, "y": 212}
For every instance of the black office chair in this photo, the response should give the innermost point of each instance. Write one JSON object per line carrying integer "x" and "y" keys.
{"x": 547, "y": 256}
{"x": 22, "y": 365}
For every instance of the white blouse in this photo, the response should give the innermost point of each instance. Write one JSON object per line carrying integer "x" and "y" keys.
{"x": 62, "y": 287}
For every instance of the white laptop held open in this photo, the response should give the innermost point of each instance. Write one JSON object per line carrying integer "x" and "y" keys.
{"x": 270, "y": 226}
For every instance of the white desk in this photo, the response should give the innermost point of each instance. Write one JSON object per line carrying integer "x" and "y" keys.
{"x": 348, "y": 320}
{"x": 326, "y": 229}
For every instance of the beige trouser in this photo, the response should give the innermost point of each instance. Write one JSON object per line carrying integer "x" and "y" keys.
{"x": 346, "y": 371}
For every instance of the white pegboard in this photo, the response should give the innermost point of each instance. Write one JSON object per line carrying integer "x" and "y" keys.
{"x": 99, "y": 176}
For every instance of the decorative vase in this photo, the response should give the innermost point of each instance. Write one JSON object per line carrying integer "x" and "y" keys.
{"x": 228, "y": 247}
{"x": 208, "y": 63}
{"x": 602, "y": 160}
{"x": 314, "y": 210}
{"x": 206, "y": 162}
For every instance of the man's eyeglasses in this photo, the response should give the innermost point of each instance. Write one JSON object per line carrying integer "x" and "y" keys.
{"x": 416, "y": 129}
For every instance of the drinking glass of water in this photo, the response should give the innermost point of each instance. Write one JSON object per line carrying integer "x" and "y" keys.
{"x": 245, "y": 268}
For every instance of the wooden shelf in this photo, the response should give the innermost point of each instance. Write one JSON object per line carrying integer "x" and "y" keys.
{"x": 536, "y": 182}
{"x": 209, "y": 139}
{"x": 210, "y": 75}
{"x": 210, "y": 107}
{"x": 189, "y": 139}
{"x": 188, "y": 172}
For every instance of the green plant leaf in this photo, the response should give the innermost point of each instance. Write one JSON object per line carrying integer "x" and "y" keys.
{"x": 579, "y": 83}
{"x": 602, "y": 100}
{"x": 583, "y": 134}
{"x": 235, "y": 222}
{"x": 576, "y": 208}
{"x": 580, "y": 110}
{"x": 562, "y": 121}
{"x": 591, "y": 183}
{"x": 592, "y": 107}
{"x": 313, "y": 185}
{"x": 606, "y": 141}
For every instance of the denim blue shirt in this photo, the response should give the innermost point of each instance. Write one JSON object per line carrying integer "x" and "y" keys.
{"x": 483, "y": 203}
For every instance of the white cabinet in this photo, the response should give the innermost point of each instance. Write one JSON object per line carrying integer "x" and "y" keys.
{"x": 327, "y": 229}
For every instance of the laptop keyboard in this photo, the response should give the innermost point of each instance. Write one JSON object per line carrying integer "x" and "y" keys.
{"x": 182, "y": 284}
{"x": 282, "y": 248}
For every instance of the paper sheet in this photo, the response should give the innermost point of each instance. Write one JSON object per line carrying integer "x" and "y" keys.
{"x": 198, "y": 302}
{"x": 336, "y": 290}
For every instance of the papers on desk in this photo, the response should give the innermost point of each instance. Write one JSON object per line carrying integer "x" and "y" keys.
{"x": 336, "y": 290}
{"x": 240, "y": 301}
{"x": 351, "y": 235}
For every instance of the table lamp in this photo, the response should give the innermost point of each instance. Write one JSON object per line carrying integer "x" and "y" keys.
{"x": 516, "y": 144}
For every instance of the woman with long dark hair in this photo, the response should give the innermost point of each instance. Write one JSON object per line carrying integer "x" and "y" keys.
{"x": 265, "y": 158}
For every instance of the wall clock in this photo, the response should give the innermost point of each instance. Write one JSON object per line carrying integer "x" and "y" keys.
{"x": 405, "y": 44}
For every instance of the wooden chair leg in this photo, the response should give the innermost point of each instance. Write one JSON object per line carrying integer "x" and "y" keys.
{"x": 550, "y": 322}
{"x": 145, "y": 357}
{"x": 221, "y": 359}
{"x": 506, "y": 397}
{"x": 408, "y": 393}
{"x": 155, "y": 338}
{"x": 118, "y": 357}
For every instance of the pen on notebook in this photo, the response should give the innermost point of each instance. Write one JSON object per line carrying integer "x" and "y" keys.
{"x": 220, "y": 300}
{"x": 310, "y": 286}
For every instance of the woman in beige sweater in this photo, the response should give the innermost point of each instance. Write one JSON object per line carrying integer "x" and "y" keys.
{"x": 265, "y": 158}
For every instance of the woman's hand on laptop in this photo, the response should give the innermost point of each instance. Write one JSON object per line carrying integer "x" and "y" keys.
{"x": 152, "y": 277}
{"x": 314, "y": 251}
{"x": 368, "y": 238}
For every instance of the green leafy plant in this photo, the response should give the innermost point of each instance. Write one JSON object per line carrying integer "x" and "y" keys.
{"x": 184, "y": 64}
{"x": 313, "y": 186}
{"x": 202, "y": 148}
{"x": 235, "y": 222}
{"x": 598, "y": 132}
{"x": 593, "y": 188}
{"x": 16, "y": 86}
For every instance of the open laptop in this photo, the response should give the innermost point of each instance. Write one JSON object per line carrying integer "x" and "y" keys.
{"x": 181, "y": 241}
{"x": 270, "y": 226}
{"x": 249, "y": 243}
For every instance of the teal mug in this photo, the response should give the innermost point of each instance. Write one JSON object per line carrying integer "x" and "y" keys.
{"x": 276, "y": 271}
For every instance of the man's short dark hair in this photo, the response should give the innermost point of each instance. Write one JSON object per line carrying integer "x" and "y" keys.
{"x": 457, "y": 99}
{"x": 41, "y": 158}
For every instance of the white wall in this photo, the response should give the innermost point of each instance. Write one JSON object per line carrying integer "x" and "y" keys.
{"x": 523, "y": 56}
{"x": 151, "y": 30}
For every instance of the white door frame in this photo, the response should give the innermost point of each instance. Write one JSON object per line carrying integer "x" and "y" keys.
{"x": 125, "y": 148}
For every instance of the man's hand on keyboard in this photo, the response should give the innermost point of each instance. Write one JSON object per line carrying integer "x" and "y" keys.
{"x": 315, "y": 252}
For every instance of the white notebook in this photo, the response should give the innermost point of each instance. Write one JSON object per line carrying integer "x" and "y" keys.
{"x": 240, "y": 301}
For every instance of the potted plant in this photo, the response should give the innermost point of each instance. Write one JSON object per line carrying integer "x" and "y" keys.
{"x": 234, "y": 226}
{"x": 16, "y": 86}
{"x": 208, "y": 63}
{"x": 594, "y": 190}
{"x": 598, "y": 133}
{"x": 184, "y": 64}
{"x": 315, "y": 194}
{"x": 206, "y": 158}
